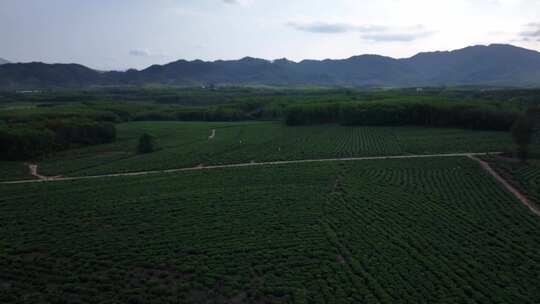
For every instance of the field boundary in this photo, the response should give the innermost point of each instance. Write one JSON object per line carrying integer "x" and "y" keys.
{"x": 522, "y": 198}
{"x": 240, "y": 165}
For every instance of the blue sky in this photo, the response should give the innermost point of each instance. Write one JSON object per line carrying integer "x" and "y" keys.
{"x": 120, "y": 34}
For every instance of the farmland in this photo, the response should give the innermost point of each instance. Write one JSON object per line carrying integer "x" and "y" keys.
{"x": 187, "y": 144}
{"x": 95, "y": 131}
{"x": 429, "y": 230}
{"x": 13, "y": 171}
{"x": 525, "y": 176}
{"x": 416, "y": 231}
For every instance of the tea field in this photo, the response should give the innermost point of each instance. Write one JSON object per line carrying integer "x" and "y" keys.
{"x": 388, "y": 231}
{"x": 525, "y": 177}
{"x": 187, "y": 144}
{"x": 13, "y": 171}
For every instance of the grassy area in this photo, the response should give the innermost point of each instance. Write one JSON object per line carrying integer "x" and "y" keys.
{"x": 186, "y": 144}
{"x": 392, "y": 231}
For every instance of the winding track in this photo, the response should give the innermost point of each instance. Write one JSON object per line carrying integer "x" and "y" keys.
{"x": 212, "y": 134}
{"x": 522, "y": 198}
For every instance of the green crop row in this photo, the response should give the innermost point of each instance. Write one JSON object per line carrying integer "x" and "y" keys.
{"x": 524, "y": 176}
{"x": 188, "y": 144}
{"x": 392, "y": 231}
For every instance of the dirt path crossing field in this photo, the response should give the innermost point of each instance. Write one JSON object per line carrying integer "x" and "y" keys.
{"x": 43, "y": 178}
{"x": 522, "y": 198}
{"x": 34, "y": 172}
{"x": 507, "y": 185}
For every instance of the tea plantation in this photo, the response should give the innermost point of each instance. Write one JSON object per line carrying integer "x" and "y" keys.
{"x": 187, "y": 144}
{"x": 392, "y": 231}
{"x": 13, "y": 171}
{"x": 524, "y": 176}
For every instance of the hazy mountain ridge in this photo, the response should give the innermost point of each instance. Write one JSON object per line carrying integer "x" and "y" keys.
{"x": 496, "y": 64}
{"x": 3, "y": 61}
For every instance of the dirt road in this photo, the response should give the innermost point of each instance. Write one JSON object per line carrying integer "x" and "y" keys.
{"x": 43, "y": 178}
{"x": 34, "y": 172}
{"x": 507, "y": 185}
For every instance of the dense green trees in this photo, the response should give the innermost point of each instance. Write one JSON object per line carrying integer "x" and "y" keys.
{"x": 25, "y": 143}
{"x": 193, "y": 114}
{"x": 70, "y": 132}
{"x": 522, "y": 135}
{"x": 33, "y": 140}
{"x": 443, "y": 114}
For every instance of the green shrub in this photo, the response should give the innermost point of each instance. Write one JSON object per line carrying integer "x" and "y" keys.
{"x": 147, "y": 144}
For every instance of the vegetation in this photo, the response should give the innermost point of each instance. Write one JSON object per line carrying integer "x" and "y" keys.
{"x": 440, "y": 114}
{"x": 22, "y": 141}
{"x": 522, "y": 135}
{"x": 524, "y": 176}
{"x": 186, "y": 144}
{"x": 14, "y": 171}
{"x": 435, "y": 230}
{"x": 24, "y": 118}
{"x": 234, "y": 103}
{"x": 147, "y": 144}
{"x": 416, "y": 231}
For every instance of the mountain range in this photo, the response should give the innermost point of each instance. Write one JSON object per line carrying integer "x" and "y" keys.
{"x": 493, "y": 65}
{"x": 3, "y": 61}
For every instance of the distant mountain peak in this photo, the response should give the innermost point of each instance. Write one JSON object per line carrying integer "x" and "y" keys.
{"x": 283, "y": 61}
{"x": 480, "y": 47}
{"x": 4, "y": 61}
{"x": 253, "y": 60}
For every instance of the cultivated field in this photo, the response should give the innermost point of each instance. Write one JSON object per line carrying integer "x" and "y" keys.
{"x": 187, "y": 144}
{"x": 13, "y": 171}
{"x": 391, "y": 231}
{"x": 525, "y": 177}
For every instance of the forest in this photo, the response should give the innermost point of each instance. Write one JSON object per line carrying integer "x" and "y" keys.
{"x": 24, "y": 141}
{"x": 437, "y": 114}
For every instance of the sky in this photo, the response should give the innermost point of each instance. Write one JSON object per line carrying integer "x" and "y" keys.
{"x": 122, "y": 34}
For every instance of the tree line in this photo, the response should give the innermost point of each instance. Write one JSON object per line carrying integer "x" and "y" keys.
{"x": 441, "y": 114}
{"x": 193, "y": 114}
{"x": 38, "y": 139}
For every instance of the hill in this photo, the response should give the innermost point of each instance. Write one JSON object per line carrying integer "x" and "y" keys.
{"x": 37, "y": 75}
{"x": 497, "y": 64}
{"x": 493, "y": 65}
{"x": 3, "y": 61}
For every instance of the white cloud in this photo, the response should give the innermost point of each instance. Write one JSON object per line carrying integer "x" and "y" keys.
{"x": 371, "y": 32}
{"x": 144, "y": 53}
{"x": 531, "y": 32}
{"x": 334, "y": 28}
{"x": 140, "y": 53}
{"x": 237, "y": 2}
